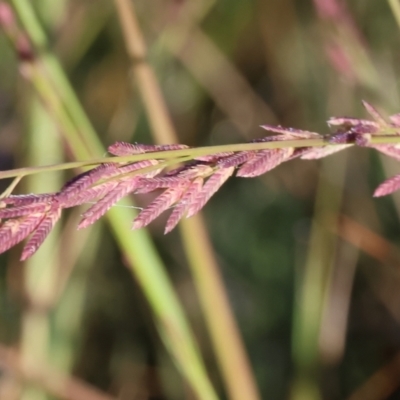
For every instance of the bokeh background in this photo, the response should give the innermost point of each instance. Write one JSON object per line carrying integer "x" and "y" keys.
{"x": 309, "y": 260}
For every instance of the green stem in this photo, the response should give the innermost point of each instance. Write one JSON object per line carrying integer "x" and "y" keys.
{"x": 231, "y": 355}
{"x": 190, "y": 153}
{"x": 395, "y": 6}
{"x": 11, "y": 187}
{"x": 186, "y": 154}
{"x": 137, "y": 247}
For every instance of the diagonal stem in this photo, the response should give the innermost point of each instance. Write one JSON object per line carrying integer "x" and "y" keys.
{"x": 137, "y": 246}
{"x": 228, "y": 346}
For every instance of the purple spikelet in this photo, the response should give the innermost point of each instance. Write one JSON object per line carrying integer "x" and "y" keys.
{"x": 90, "y": 194}
{"x": 159, "y": 205}
{"x": 389, "y": 150}
{"x": 25, "y": 199}
{"x": 264, "y": 161}
{"x": 210, "y": 187}
{"x": 214, "y": 157}
{"x": 387, "y": 187}
{"x": 41, "y": 231}
{"x": 289, "y": 133}
{"x": 173, "y": 178}
{"x": 125, "y": 169}
{"x": 103, "y": 205}
{"x": 20, "y": 211}
{"x": 373, "y": 112}
{"x": 395, "y": 119}
{"x": 236, "y": 159}
{"x": 7, "y": 229}
{"x": 315, "y": 153}
{"x": 166, "y": 147}
{"x": 99, "y": 190}
{"x": 85, "y": 180}
{"x": 126, "y": 149}
{"x": 150, "y": 184}
{"x": 185, "y": 202}
{"x": 14, "y": 231}
{"x": 347, "y": 123}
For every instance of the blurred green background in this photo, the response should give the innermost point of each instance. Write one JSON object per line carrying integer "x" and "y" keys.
{"x": 309, "y": 259}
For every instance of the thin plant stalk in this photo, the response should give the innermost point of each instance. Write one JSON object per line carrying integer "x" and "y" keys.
{"x": 395, "y": 6}
{"x": 40, "y": 272}
{"x": 136, "y": 246}
{"x": 158, "y": 116}
{"x": 220, "y": 321}
{"x": 219, "y": 77}
{"x": 182, "y": 155}
{"x": 177, "y": 156}
{"x": 228, "y": 346}
{"x": 314, "y": 281}
{"x": 37, "y": 374}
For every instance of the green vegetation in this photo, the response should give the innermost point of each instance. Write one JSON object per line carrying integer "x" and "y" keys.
{"x": 288, "y": 288}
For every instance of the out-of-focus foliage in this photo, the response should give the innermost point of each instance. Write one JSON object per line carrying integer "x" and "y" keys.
{"x": 226, "y": 67}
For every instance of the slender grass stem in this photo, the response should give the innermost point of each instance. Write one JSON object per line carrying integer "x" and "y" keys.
{"x": 137, "y": 247}
{"x": 59, "y": 385}
{"x": 395, "y": 6}
{"x": 11, "y": 187}
{"x": 55, "y": 75}
{"x": 225, "y": 336}
{"x": 315, "y": 281}
{"x": 183, "y": 155}
{"x": 186, "y": 154}
{"x": 159, "y": 119}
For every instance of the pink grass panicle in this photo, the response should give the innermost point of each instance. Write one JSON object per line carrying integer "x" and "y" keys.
{"x": 187, "y": 188}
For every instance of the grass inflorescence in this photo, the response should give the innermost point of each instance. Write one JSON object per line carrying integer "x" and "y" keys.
{"x": 186, "y": 188}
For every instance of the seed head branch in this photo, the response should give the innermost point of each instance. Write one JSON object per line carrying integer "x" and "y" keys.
{"x": 141, "y": 168}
